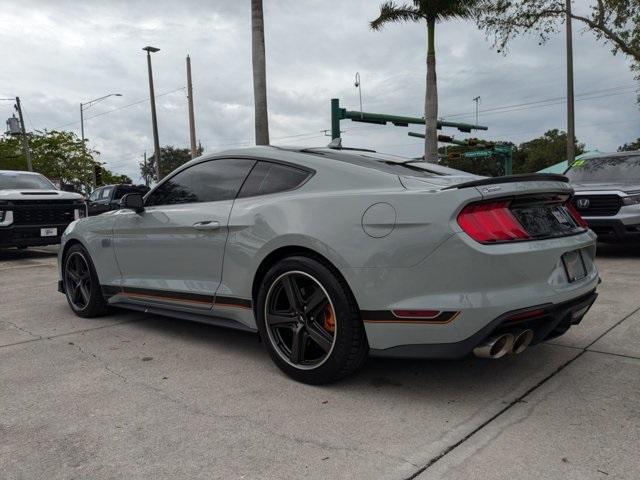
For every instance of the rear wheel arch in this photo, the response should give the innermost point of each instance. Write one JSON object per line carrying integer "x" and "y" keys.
{"x": 290, "y": 251}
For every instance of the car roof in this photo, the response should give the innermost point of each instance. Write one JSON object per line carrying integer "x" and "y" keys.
{"x": 21, "y": 171}
{"x": 630, "y": 153}
{"x": 312, "y": 157}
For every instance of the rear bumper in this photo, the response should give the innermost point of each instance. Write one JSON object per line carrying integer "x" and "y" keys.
{"x": 555, "y": 321}
{"x": 474, "y": 284}
{"x": 29, "y": 235}
{"x": 614, "y": 230}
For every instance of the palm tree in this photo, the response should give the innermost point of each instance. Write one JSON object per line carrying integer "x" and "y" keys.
{"x": 259, "y": 73}
{"x": 431, "y": 12}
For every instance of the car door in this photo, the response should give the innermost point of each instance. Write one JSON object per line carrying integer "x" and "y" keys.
{"x": 91, "y": 202}
{"x": 101, "y": 204}
{"x": 172, "y": 252}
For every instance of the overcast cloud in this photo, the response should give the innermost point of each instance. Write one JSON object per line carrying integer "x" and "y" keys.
{"x": 59, "y": 53}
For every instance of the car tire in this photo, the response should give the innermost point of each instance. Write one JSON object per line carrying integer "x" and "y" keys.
{"x": 338, "y": 319}
{"x": 85, "y": 298}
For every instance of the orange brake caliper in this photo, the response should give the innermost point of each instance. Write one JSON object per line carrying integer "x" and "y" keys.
{"x": 329, "y": 323}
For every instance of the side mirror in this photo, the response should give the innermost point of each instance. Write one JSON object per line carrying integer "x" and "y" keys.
{"x": 133, "y": 201}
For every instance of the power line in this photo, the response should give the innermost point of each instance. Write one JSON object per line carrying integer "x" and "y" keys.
{"x": 521, "y": 106}
{"x": 120, "y": 108}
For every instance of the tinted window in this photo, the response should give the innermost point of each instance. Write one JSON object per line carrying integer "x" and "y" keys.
{"x": 271, "y": 178}
{"x": 94, "y": 195}
{"x": 15, "y": 180}
{"x": 122, "y": 190}
{"x": 605, "y": 169}
{"x": 387, "y": 163}
{"x": 106, "y": 193}
{"x": 205, "y": 182}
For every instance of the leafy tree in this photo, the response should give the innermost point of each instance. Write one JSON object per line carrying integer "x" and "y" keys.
{"x": 542, "y": 152}
{"x": 487, "y": 166}
{"x": 430, "y": 12}
{"x": 628, "y": 147}
{"x": 58, "y": 155}
{"x": 528, "y": 157}
{"x": 109, "y": 178}
{"x": 616, "y": 22}
{"x": 170, "y": 159}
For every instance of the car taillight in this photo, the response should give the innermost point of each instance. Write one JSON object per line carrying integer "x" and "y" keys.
{"x": 576, "y": 215}
{"x": 491, "y": 222}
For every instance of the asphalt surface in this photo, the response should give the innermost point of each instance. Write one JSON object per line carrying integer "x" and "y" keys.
{"x": 138, "y": 396}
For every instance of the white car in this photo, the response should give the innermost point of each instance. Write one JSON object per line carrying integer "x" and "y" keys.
{"x": 32, "y": 211}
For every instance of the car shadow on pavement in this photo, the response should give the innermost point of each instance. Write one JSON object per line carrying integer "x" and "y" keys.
{"x": 405, "y": 379}
{"x": 14, "y": 254}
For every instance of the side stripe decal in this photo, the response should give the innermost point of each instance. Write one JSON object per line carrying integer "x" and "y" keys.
{"x": 176, "y": 297}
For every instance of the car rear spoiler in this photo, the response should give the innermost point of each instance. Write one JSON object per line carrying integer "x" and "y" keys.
{"x": 527, "y": 177}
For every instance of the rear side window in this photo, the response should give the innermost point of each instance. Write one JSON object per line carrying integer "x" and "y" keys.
{"x": 210, "y": 181}
{"x": 269, "y": 177}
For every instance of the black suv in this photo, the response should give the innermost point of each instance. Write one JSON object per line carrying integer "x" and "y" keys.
{"x": 107, "y": 198}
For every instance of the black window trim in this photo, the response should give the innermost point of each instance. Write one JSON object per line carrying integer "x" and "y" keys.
{"x": 257, "y": 159}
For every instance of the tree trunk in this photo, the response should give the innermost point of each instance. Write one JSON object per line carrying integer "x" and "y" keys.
{"x": 431, "y": 100}
{"x": 259, "y": 73}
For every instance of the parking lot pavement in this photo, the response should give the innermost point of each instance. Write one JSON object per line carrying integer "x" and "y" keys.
{"x": 139, "y": 396}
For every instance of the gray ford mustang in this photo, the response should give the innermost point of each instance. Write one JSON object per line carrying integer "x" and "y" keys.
{"x": 332, "y": 254}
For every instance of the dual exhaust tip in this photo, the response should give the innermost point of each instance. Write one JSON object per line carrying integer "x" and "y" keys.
{"x": 500, "y": 345}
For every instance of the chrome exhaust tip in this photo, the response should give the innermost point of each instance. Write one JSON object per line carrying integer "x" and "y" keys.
{"x": 495, "y": 347}
{"x": 521, "y": 341}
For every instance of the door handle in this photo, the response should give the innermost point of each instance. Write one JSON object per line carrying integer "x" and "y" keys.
{"x": 206, "y": 225}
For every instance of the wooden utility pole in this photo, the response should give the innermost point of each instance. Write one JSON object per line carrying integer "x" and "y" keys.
{"x": 154, "y": 118}
{"x": 259, "y": 73}
{"x": 571, "y": 133}
{"x": 192, "y": 121}
{"x": 25, "y": 140}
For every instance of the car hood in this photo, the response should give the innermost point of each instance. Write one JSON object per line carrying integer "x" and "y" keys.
{"x": 608, "y": 186}
{"x": 34, "y": 194}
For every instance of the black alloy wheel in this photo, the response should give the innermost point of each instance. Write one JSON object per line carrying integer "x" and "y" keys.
{"x": 300, "y": 319}
{"x": 309, "y": 320}
{"x": 77, "y": 281}
{"x": 81, "y": 284}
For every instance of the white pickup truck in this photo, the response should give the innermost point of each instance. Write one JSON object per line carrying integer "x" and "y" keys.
{"x": 32, "y": 211}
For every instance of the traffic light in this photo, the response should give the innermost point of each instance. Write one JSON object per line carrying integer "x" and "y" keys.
{"x": 454, "y": 155}
{"x": 445, "y": 138}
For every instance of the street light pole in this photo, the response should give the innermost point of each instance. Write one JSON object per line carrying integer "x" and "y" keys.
{"x": 192, "y": 122}
{"x": 154, "y": 119}
{"x": 571, "y": 135}
{"x": 83, "y": 107}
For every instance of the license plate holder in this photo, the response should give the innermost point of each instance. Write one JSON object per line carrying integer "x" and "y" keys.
{"x": 574, "y": 265}
{"x": 48, "y": 232}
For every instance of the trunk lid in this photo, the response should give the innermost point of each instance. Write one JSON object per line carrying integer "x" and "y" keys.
{"x": 540, "y": 203}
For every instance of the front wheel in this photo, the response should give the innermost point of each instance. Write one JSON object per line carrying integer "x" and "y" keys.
{"x": 310, "y": 322}
{"x": 81, "y": 284}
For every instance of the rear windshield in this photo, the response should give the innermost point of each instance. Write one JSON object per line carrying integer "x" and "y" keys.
{"x": 17, "y": 180}
{"x": 606, "y": 169}
{"x": 388, "y": 163}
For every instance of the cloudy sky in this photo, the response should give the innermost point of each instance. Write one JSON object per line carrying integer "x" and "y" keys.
{"x": 59, "y": 53}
